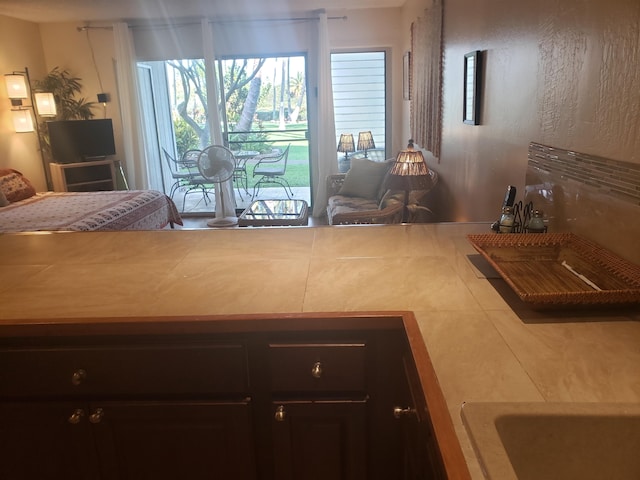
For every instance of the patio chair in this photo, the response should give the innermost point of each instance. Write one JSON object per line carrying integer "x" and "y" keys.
{"x": 271, "y": 169}
{"x": 185, "y": 174}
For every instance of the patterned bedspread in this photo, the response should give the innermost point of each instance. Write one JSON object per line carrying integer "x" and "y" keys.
{"x": 113, "y": 210}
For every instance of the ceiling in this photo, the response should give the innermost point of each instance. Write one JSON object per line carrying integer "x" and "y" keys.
{"x": 46, "y": 11}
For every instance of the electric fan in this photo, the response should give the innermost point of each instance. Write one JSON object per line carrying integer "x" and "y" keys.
{"x": 216, "y": 163}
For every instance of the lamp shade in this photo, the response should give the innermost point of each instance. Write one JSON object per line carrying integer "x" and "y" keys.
{"x": 365, "y": 141}
{"x": 16, "y": 86}
{"x": 409, "y": 172}
{"x": 346, "y": 144}
{"x": 46, "y": 104}
{"x": 22, "y": 121}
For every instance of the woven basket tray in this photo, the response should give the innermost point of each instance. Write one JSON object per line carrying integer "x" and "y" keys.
{"x": 560, "y": 269}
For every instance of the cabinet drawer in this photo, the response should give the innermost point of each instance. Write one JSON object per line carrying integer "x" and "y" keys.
{"x": 326, "y": 367}
{"x": 115, "y": 370}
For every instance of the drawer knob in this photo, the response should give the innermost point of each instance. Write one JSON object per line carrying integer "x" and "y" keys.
{"x": 399, "y": 412}
{"x": 96, "y": 416}
{"x": 76, "y": 416}
{"x": 280, "y": 413}
{"x": 316, "y": 370}
{"x": 78, "y": 376}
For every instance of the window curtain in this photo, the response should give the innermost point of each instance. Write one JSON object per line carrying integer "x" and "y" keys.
{"x": 132, "y": 132}
{"x": 426, "y": 91}
{"x": 326, "y": 163}
{"x": 215, "y": 125}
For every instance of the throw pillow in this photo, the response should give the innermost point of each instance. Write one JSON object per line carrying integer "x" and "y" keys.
{"x": 15, "y": 186}
{"x": 3, "y": 200}
{"x": 364, "y": 178}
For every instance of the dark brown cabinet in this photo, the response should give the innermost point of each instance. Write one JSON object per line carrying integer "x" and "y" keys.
{"x": 38, "y": 441}
{"x": 320, "y": 440}
{"x": 247, "y": 401}
{"x": 166, "y": 440}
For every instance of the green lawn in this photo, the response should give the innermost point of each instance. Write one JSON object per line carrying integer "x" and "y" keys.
{"x": 297, "y": 175}
{"x": 298, "y": 163}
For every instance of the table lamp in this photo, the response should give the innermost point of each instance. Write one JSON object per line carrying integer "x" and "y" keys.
{"x": 346, "y": 145}
{"x": 365, "y": 142}
{"x": 409, "y": 172}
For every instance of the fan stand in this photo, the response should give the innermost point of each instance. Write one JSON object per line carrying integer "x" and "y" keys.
{"x": 222, "y": 221}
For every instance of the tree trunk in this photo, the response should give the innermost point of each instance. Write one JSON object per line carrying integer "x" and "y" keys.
{"x": 282, "y": 87}
{"x": 296, "y": 111}
{"x": 250, "y": 106}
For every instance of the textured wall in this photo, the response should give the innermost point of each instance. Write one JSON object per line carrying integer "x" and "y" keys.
{"x": 562, "y": 73}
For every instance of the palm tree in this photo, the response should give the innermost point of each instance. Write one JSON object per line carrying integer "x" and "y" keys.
{"x": 298, "y": 89}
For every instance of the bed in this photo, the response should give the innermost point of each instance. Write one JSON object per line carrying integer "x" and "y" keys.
{"x": 81, "y": 211}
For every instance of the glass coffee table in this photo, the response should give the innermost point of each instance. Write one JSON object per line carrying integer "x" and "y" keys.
{"x": 275, "y": 213}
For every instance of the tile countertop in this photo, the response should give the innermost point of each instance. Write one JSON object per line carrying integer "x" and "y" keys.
{"x": 485, "y": 345}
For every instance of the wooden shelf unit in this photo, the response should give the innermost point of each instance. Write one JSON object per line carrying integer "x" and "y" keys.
{"x": 89, "y": 176}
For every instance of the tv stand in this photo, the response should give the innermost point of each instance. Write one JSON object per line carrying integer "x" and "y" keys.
{"x": 91, "y": 176}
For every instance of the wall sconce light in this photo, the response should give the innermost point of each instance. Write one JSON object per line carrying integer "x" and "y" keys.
{"x": 346, "y": 145}
{"x": 19, "y": 88}
{"x": 365, "y": 142}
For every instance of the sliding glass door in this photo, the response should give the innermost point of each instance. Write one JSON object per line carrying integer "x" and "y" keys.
{"x": 263, "y": 108}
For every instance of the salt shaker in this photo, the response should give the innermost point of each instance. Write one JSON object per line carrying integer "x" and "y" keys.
{"x": 507, "y": 220}
{"x": 536, "y": 224}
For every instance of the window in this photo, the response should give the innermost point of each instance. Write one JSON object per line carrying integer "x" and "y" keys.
{"x": 359, "y": 95}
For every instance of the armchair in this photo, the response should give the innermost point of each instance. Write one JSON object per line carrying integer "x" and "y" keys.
{"x": 379, "y": 205}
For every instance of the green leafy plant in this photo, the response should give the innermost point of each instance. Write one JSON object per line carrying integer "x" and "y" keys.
{"x": 66, "y": 88}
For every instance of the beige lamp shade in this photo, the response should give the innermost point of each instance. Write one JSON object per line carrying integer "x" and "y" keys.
{"x": 16, "y": 86}
{"x": 409, "y": 172}
{"x": 46, "y": 104}
{"x": 346, "y": 144}
{"x": 365, "y": 141}
{"x": 22, "y": 121}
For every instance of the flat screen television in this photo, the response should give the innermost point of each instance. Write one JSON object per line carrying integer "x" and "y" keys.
{"x": 81, "y": 140}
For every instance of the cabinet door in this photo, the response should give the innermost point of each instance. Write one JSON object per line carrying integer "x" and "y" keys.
{"x": 157, "y": 441}
{"x": 420, "y": 452}
{"x": 46, "y": 441}
{"x": 320, "y": 440}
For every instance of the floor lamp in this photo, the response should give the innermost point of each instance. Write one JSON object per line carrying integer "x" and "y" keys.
{"x": 409, "y": 172}
{"x": 19, "y": 88}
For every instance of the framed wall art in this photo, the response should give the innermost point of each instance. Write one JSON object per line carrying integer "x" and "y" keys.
{"x": 471, "y": 99}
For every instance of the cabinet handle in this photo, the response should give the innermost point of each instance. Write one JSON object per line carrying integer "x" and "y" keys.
{"x": 280, "y": 413}
{"x": 78, "y": 376}
{"x": 316, "y": 370}
{"x": 96, "y": 416}
{"x": 399, "y": 412}
{"x": 76, "y": 416}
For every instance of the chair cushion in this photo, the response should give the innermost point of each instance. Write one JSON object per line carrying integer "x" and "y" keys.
{"x": 392, "y": 197}
{"x": 341, "y": 204}
{"x": 364, "y": 178}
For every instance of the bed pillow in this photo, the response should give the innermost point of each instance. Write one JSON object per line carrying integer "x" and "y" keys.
{"x": 364, "y": 178}
{"x": 15, "y": 186}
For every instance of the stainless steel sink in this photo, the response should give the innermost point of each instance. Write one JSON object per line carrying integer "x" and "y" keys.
{"x": 546, "y": 441}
